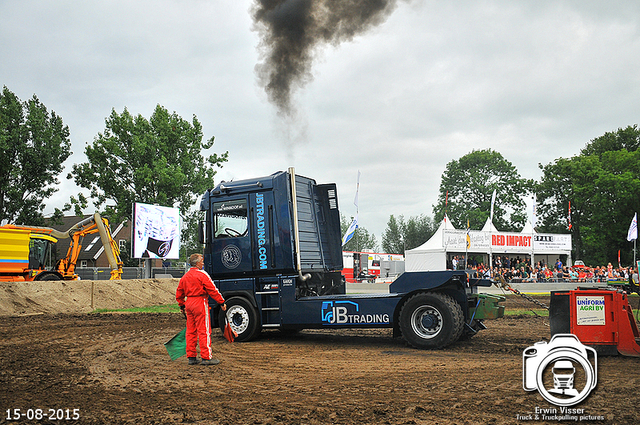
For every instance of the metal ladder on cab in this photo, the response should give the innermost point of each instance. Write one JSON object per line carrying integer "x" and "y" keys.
{"x": 269, "y": 303}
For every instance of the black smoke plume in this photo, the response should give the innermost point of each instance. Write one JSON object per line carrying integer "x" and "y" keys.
{"x": 291, "y": 32}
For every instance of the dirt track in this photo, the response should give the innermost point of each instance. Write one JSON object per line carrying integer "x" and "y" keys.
{"x": 114, "y": 369}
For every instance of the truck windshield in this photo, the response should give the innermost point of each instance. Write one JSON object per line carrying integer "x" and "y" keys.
{"x": 37, "y": 253}
{"x": 230, "y": 219}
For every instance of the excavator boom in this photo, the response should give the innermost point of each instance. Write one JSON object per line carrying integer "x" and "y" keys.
{"x": 94, "y": 224}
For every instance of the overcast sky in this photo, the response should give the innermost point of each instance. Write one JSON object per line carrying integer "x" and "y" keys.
{"x": 533, "y": 80}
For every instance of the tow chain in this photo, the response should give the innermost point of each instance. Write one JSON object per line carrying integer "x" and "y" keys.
{"x": 504, "y": 285}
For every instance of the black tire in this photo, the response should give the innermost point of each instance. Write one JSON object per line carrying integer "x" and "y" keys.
{"x": 48, "y": 276}
{"x": 431, "y": 320}
{"x": 243, "y": 318}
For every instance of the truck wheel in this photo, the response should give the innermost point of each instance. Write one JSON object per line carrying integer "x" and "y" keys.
{"x": 431, "y": 320}
{"x": 242, "y": 317}
{"x": 48, "y": 276}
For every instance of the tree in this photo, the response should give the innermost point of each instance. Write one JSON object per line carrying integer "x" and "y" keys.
{"x": 392, "y": 237}
{"x": 34, "y": 143}
{"x": 400, "y": 235}
{"x": 563, "y": 181}
{"x": 190, "y": 243}
{"x": 155, "y": 161}
{"x": 361, "y": 240}
{"x": 418, "y": 230}
{"x": 616, "y": 202}
{"x": 628, "y": 138}
{"x": 602, "y": 184}
{"x": 467, "y": 186}
{"x": 126, "y": 255}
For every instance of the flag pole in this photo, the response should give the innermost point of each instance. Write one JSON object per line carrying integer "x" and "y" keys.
{"x": 634, "y": 241}
{"x": 466, "y": 249}
{"x": 446, "y": 200}
{"x": 493, "y": 200}
{"x": 490, "y": 249}
{"x": 466, "y": 253}
{"x": 633, "y": 234}
{"x": 533, "y": 230}
{"x": 355, "y": 202}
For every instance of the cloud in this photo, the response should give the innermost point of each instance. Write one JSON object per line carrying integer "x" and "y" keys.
{"x": 425, "y": 85}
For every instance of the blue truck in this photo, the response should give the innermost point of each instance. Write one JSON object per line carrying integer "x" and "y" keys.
{"x": 272, "y": 245}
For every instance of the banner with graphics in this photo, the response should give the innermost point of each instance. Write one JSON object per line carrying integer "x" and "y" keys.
{"x": 156, "y": 231}
{"x": 456, "y": 240}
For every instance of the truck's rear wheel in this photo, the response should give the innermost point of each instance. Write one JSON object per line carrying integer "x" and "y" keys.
{"x": 431, "y": 320}
{"x": 242, "y": 317}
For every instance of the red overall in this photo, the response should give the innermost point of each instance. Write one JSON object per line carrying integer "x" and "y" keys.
{"x": 196, "y": 286}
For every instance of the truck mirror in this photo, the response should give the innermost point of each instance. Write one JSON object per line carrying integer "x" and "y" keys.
{"x": 201, "y": 225}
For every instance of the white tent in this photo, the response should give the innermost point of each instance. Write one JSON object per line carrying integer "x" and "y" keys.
{"x": 489, "y": 227}
{"x": 447, "y": 241}
{"x": 528, "y": 228}
{"x": 431, "y": 255}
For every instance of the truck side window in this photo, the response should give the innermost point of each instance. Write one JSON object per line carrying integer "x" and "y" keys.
{"x": 230, "y": 219}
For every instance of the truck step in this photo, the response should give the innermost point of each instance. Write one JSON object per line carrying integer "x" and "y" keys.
{"x": 271, "y": 325}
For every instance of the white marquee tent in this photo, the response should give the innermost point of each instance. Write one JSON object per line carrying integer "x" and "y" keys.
{"x": 448, "y": 241}
{"x": 431, "y": 255}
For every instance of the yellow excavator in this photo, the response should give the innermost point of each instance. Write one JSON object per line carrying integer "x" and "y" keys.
{"x": 24, "y": 249}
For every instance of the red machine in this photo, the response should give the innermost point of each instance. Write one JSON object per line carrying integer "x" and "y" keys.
{"x": 365, "y": 266}
{"x": 600, "y": 318}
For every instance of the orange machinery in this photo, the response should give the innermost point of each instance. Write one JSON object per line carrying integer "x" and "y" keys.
{"x": 600, "y": 318}
{"x": 23, "y": 250}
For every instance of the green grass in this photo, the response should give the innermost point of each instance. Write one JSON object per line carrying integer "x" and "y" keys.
{"x": 173, "y": 308}
{"x": 170, "y": 308}
{"x": 526, "y": 312}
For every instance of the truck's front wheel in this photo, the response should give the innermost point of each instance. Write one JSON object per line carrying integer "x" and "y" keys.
{"x": 242, "y": 317}
{"x": 431, "y": 320}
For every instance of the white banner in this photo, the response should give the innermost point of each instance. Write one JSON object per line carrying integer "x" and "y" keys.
{"x": 456, "y": 240}
{"x": 590, "y": 310}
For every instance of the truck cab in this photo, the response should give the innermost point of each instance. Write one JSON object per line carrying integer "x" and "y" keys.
{"x": 273, "y": 249}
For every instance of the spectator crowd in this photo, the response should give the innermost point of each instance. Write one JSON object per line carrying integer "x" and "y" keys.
{"x": 520, "y": 270}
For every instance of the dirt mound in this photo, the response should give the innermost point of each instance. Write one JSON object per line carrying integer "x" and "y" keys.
{"x": 83, "y": 296}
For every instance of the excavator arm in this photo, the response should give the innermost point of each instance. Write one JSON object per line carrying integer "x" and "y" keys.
{"x": 91, "y": 225}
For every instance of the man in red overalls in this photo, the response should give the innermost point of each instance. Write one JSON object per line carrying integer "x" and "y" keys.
{"x": 196, "y": 286}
